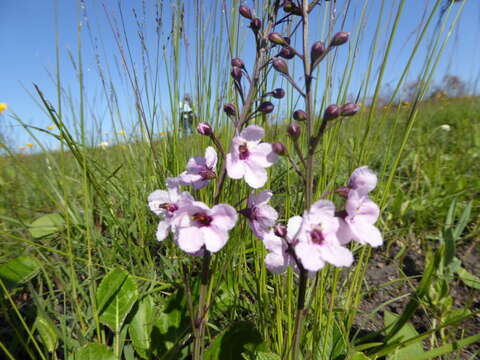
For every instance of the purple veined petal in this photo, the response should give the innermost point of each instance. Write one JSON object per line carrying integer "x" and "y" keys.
{"x": 268, "y": 215}
{"x": 155, "y": 199}
{"x": 224, "y": 216}
{"x": 211, "y": 157}
{"x": 188, "y": 178}
{"x": 365, "y": 233}
{"x": 215, "y": 237}
{"x": 252, "y": 133}
{"x": 368, "y": 212}
{"x": 273, "y": 243}
{"x": 162, "y": 230}
{"x": 321, "y": 209}
{"x": 263, "y": 197}
{"x": 363, "y": 180}
{"x": 309, "y": 256}
{"x": 196, "y": 164}
{"x": 294, "y": 227}
{"x": 262, "y": 154}
{"x": 199, "y": 184}
{"x": 344, "y": 235}
{"x": 235, "y": 168}
{"x": 190, "y": 239}
{"x": 276, "y": 263}
{"x": 258, "y": 229}
{"x": 354, "y": 201}
{"x": 255, "y": 176}
{"x": 336, "y": 255}
{"x": 186, "y": 196}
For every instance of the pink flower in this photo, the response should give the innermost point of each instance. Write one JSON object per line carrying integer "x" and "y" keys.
{"x": 197, "y": 226}
{"x": 317, "y": 238}
{"x": 363, "y": 180}
{"x": 200, "y": 170}
{"x": 261, "y": 216}
{"x": 248, "y": 157}
{"x": 165, "y": 203}
{"x": 361, "y": 214}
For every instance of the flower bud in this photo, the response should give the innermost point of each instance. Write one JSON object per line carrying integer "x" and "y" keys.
{"x": 290, "y": 7}
{"x": 229, "y": 109}
{"x": 278, "y": 93}
{"x": 266, "y": 107}
{"x": 300, "y": 115}
{"x": 236, "y": 73}
{"x": 237, "y": 62}
{"x": 349, "y": 109}
{"x": 255, "y": 24}
{"x": 339, "y": 38}
{"x": 245, "y": 11}
{"x": 280, "y": 230}
{"x": 280, "y": 65}
{"x": 286, "y": 53}
{"x": 276, "y": 39}
{"x": 294, "y": 131}
{"x": 331, "y": 112}
{"x": 204, "y": 129}
{"x": 318, "y": 50}
{"x": 279, "y": 148}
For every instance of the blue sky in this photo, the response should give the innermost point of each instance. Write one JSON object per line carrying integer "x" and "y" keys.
{"x": 27, "y": 55}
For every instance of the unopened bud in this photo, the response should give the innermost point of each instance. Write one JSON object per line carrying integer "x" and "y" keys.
{"x": 287, "y": 53}
{"x": 230, "y": 109}
{"x": 349, "y": 109}
{"x": 277, "y": 39}
{"x": 280, "y": 230}
{"x": 290, "y": 7}
{"x": 204, "y": 129}
{"x": 331, "y": 112}
{"x": 318, "y": 50}
{"x": 266, "y": 107}
{"x": 339, "y": 38}
{"x": 245, "y": 11}
{"x": 256, "y": 24}
{"x": 236, "y": 73}
{"x": 279, "y": 148}
{"x": 278, "y": 93}
{"x": 300, "y": 115}
{"x": 237, "y": 62}
{"x": 294, "y": 131}
{"x": 280, "y": 65}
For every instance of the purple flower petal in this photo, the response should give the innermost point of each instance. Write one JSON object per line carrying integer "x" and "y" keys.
{"x": 252, "y": 133}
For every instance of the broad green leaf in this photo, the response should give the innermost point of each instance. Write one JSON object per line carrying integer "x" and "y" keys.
{"x": 468, "y": 278}
{"x": 47, "y": 225}
{"x": 94, "y": 352}
{"x": 18, "y": 271}
{"x": 406, "y": 332}
{"x": 47, "y": 332}
{"x": 140, "y": 328}
{"x": 116, "y": 295}
{"x": 463, "y": 221}
{"x": 231, "y": 343}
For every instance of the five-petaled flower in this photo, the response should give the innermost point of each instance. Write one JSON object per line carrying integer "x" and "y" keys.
{"x": 200, "y": 170}
{"x": 261, "y": 216}
{"x": 248, "y": 157}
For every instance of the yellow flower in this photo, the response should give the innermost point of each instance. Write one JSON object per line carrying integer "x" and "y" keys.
{"x": 21, "y": 148}
{"x": 51, "y": 127}
{"x": 30, "y": 145}
{"x": 122, "y": 132}
{"x": 405, "y": 103}
{"x": 3, "y": 107}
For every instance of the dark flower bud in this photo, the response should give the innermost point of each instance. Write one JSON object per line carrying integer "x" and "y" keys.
{"x": 204, "y": 129}
{"x": 342, "y": 191}
{"x": 279, "y": 148}
{"x": 300, "y": 115}
{"x": 294, "y": 131}
{"x": 349, "y": 109}
{"x": 230, "y": 109}
{"x": 280, "y": 230}
{"x": 290, "y": 7}
{"x": 276, "y": 39}
{"x": 339, "y": 38}
{"x": 245, "y": 11}
{"x": 266, "y": 107}
{"x": 280, "y": 65}
{"x": 278, "y": 93}
{"x": 255, "y": 24}
{"x": 237, "y": 62}
{"x": 236, "y": 73}
{"x": 287, "y": 39}
{"x": 318, "y": 50}
{"x": 286, "y": 53}
{"x": 331, "y": 112}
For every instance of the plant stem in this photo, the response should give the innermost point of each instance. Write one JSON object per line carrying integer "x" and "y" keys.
{"x": 200, "y": 317}
{"x": 301, "y": 311}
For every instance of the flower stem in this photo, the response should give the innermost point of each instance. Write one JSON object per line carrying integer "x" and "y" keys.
{"x": 301, "y": 311}
{"x": 200, "y": 317}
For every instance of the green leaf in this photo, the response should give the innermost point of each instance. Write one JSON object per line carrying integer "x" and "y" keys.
{"x": 463, "y": 221}
{"x": 47, "y": 332}
{"x": 405, "y": 333}
{"x": 140, "y": 327}
{"x": 94, "y": 352}
{"x": 358, "y": 356}
{"x": 468, "y": 278}
{"x": 449, "y": 348}
{"x": 266, "y": 356}
{"x": 116, "y": 295}
{"x": 18, "y": 271}
{"x": 231, "y": 343}
{"x": 47, "y": 225}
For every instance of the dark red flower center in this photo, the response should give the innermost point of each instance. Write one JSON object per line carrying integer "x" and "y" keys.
{"x": 317, "y": 236}
{"x": 202, "y": 219}
{"x": 243, "y": 150}
{"x": 170, "y": 207}
{"x": 207, "y": 174}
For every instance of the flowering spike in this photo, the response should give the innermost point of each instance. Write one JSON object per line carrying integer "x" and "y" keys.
{"x": 349, "y": 109}
{"x": 245, "y": 11}
{"x": 238, "y": 63}
{"x": 279, "y": 148}
{"x": 300, "y": 115}
{"x": 255, "y": 24}
{"x": 286, "y": 53}
{"x": 278, "y": 93}
{"x": 332, "y": 112}
{"x": 276, "y": 39}
{"x": 266, "y": 107}
{"x": 204, "y": 129}
{"x": 236, "y": 73}
{"x": 294, "y": 131}
{"x": 280, "y": 65}
{"x": 318, "y": 50}
{"x": 339, "y": 38}
{"x": 230, "y": 109}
